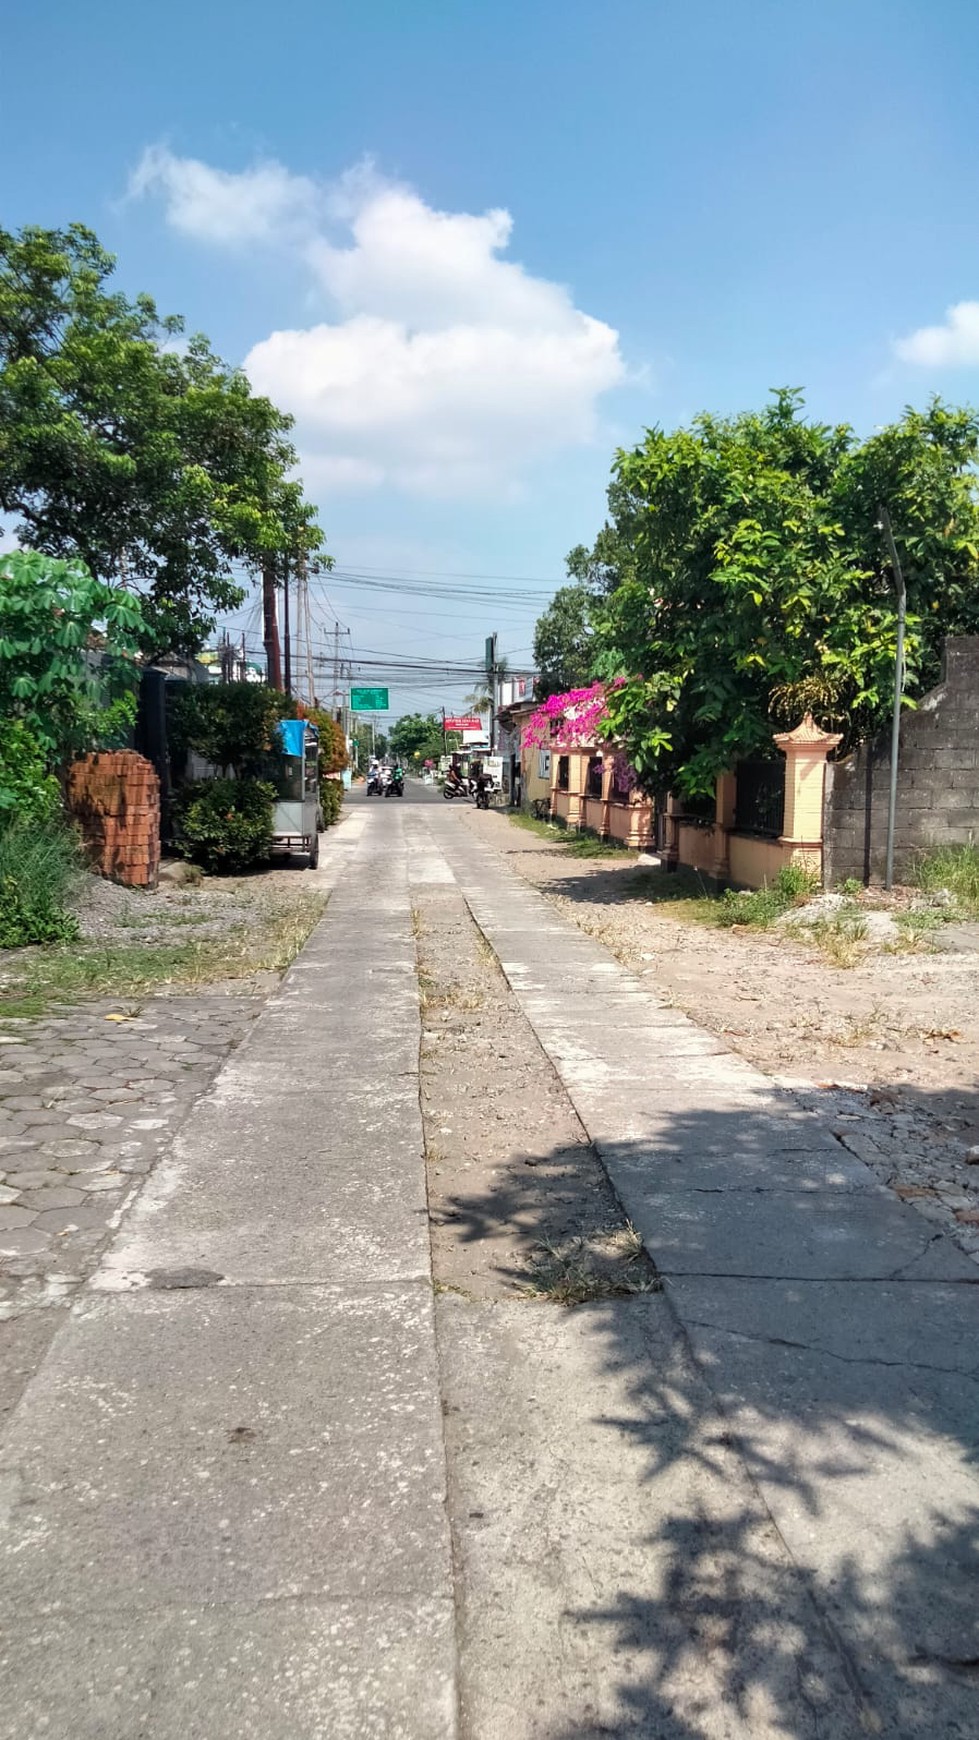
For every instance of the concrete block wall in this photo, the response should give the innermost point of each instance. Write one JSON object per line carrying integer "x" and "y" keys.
{"x": 938, "y": 780}
{"x": 115, "y": 796}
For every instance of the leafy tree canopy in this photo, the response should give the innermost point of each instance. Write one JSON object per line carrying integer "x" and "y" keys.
{"x": 152, "y": 461}
{"x": 67, "y": 654}
{"x": 753, "y": 583}
{"x": 564, "y": 643}
{"x": 231, "y": 725}
{"x": 417, "y": 736}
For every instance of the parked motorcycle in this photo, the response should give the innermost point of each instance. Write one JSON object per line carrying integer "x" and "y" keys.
{"x": 455, "y": 787}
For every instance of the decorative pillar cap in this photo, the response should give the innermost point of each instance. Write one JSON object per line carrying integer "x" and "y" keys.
{"x": 808, "y": 736}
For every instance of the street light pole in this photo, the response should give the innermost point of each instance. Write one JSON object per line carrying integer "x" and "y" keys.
{"x": 902, "y": 599}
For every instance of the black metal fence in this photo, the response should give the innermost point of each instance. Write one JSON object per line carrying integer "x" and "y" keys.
{"x": 759, "y": 805}
{"x": 699, "y": 808}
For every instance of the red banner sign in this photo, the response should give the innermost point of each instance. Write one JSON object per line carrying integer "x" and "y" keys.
{"x": 463, "y": 724}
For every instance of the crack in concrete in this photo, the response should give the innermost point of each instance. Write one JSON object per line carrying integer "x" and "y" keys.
{"x": 900, "y": 1277}
{"x": 828, "y": 1352}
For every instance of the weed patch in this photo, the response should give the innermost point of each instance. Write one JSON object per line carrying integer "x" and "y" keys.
{"x": 951, "y": 870}
{"x": 68, "y": 975}
{"x": 579, "y": 843}
{"x": 610, "y": 1265}
{"x": 757, "y": 908}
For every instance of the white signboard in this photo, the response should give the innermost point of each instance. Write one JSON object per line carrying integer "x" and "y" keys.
{"x": 543, "y": 764}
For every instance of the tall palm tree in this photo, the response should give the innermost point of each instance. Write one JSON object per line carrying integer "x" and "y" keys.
{"x": 484, "y": 694}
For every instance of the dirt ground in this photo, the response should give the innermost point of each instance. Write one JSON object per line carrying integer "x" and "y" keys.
{"x": 887, "y": 1047}
{"x": 519, "y": 1201}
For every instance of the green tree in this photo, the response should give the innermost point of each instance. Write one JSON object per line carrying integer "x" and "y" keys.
{"x": 753, "y": 581}
{"x": 67, "y": 646}
{"x": 155, "y": 464}
{"x": 417, "y": 737}
{"x": 564, "y": 642}
{"x": 231, "y": 725}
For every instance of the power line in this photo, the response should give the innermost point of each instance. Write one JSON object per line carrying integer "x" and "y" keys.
{"x": 453, "y": 574}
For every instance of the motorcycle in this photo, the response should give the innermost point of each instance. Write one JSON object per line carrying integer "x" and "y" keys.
{"x": 395, "y": 786}
{"x": 374, "y": 785}
{"x": 456, "y": 787}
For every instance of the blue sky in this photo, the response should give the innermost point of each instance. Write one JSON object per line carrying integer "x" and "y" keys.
{"x": 476, "y": 246}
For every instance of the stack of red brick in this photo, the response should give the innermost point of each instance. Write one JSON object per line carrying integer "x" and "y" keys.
{"x": 115, "y": 795}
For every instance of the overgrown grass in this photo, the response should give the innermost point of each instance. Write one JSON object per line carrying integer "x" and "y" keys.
{"x": 40, "y": 867}
{"x": 69, "y": 974}
{"x": 580, "y": 843}
{"x": 757, "y": 908}
{"x": 953, "y": 870}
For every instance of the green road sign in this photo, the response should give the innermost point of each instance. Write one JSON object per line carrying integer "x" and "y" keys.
{"x": 369, "y": 700}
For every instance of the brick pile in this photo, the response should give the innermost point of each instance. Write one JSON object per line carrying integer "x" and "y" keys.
{"x": 115, "y": 796}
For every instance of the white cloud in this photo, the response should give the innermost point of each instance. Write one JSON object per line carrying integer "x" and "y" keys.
{"x": 446, "y": 368}
{"x": 954, "y": 344}
{"x": 214, "y": 205}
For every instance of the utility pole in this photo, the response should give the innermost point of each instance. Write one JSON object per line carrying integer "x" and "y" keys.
{"x": 336, "y": 669}
{"x": 307, "y": 623}
{"x": 445, "y": 740}
{"x": 270, "y": 613}
{"x": 491, "y": 645}
{"x": 288, "y": 636}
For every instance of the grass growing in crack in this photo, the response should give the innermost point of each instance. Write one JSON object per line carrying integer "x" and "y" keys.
{"x": 487, "y": 954}
{"x": 40, "y": 977}
{"x": 608, "y": 1266}
{"x": 434, "y": 997}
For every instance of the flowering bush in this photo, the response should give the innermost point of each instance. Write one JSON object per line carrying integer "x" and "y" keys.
{"x": 570, "y": 721}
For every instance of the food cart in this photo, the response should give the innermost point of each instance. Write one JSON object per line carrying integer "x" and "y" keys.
{"x": 295, "y": 774}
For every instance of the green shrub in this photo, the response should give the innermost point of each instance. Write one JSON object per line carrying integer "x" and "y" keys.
{"x": 28, "y": 792}
{"x": 40, "y": 867}
{"x": 762, "y": 906}
{"x": 331, "y": 799}
{"x": 225, "y": 824}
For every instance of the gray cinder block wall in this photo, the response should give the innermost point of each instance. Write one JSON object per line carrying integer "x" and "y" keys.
{"x": 938, "y": 780}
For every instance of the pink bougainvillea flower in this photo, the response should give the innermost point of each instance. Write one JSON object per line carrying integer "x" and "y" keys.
{"x": 569, "y": 721}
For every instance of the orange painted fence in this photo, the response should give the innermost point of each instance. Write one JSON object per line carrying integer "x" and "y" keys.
{"x": 583, "y": 793}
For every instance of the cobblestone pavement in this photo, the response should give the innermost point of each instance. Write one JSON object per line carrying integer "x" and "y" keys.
{"x": 88, "y": 1098}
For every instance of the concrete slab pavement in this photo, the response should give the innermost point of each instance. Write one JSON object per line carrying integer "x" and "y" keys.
{"x": 834, "y": 1327}
{"x": 223, "y": 1495}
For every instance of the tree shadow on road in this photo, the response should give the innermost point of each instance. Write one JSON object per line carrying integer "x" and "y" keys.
{"x": 807, "y": 1430}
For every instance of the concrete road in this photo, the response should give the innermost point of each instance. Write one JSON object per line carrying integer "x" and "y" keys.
{"x": 265, "y": 1484}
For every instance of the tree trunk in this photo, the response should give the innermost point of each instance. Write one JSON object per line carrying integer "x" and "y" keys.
{"x": 271, "y": 616}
